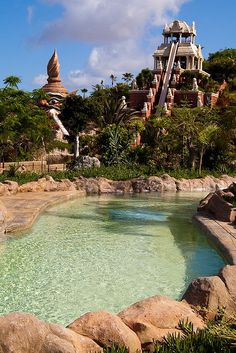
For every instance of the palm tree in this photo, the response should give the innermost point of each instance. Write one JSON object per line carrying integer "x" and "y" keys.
{"x": 127, "y": 77}
{"x": 84, "y": 91}
{"x": 12, "y": 81}
{"x": 113, "y": 79}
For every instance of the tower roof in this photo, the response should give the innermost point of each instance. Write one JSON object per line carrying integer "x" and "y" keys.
{"x": 54, "y": 84}
{"x": 177, "y": 27}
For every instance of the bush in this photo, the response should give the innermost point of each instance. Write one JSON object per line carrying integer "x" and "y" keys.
{"x": 201, "y": 341}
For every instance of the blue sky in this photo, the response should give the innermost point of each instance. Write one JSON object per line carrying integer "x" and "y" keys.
{"x": 95, "y": 38}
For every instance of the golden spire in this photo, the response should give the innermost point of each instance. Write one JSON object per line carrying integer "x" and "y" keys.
{"x": 53, "y": 68}
{"x": 54, "y": 84}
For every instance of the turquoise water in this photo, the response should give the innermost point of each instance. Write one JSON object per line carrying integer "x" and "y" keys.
{"x": 104, "y": 253}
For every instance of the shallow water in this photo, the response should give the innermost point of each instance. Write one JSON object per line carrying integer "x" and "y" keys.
{"x": 104, "y": 253}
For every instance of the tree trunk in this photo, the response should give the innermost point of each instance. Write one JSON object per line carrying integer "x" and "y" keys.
{"x": 200, "y": 161}
{"x": 76, "y": 146}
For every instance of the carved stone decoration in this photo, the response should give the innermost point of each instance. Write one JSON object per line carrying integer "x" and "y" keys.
{"x": 195, "y": 85}
{"x": 145, "y": 107}
{"x": 134, "y": 84}
{"x": 199, "y": 102}
{"x": 54, "y": 84}
{"x": 150, "y": 94}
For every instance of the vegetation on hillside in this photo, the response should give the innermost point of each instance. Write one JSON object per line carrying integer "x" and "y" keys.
{"x": 195, "y": 139}
{"x": 25, "y": 129}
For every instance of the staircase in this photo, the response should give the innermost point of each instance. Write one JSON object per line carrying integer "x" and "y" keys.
{"x": 166, "y": 80}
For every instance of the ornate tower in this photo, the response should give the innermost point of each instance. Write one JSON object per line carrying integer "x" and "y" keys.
{"x": 188, "y": 55}
{"x": 54, "y": 85}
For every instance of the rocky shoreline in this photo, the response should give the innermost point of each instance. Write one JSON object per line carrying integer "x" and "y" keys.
{"x": 105, "y": 186}
{"x": 137, "y": 326}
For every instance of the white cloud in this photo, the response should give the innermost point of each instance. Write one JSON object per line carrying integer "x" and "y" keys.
{"x": 40, "y": 80}
{"x": 102, "y": 21}
{"x": 30, "y": 13}
{"x": 78, "y": 79}
{"x": 121, "y": 32}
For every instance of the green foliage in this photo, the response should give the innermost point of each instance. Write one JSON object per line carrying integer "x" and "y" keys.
{"x": 115, "y": 349}
{"x": 115, "y": 145}
{"x": 205, "y": 83}
{"x": 201, "y": 341}
{"x": 12, "y": 81}
{"x": 25, "y": 129}
{"x": 77, "y": 112}
{"x": 144, "y": 78}
{"x": 127, "y": 77}
{"x": 221, "y": 65}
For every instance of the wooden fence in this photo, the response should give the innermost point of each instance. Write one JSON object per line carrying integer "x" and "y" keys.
{"x": 32, "y": 166}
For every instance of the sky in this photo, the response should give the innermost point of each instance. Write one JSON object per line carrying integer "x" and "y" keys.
{"x": 97, "y": 38}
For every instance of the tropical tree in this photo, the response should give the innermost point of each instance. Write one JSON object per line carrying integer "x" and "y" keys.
{"x": 127, "y": 77}
{"x": 221, "y": 65}
{"x": 113, "y": 79}
{"x": 12, "y": 81}
{"x": 25, "y": 129}
{"x": 144, "y": 78}
{"x": 76, "y": 113}
{"x": 84, "y": 91}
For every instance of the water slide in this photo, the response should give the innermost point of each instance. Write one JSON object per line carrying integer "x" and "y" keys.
{"x": 166, "y": 80}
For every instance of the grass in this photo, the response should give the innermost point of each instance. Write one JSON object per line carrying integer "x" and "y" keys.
{"x": 122, "y": 172}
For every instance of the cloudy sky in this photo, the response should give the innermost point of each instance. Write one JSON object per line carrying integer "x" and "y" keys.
{"x": 97, "y": 38}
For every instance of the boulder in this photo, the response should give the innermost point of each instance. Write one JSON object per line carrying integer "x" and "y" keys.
{"x": 24, "y": 333}
{"x": 228, "y": 276}
{"x": 123, "y": 186}
{"x": 3, "y": 218}
{"x": 91, "y": 186}
{"x": 88, "y": 162}
{"x": 209, "y": 293}
{"x": 183, "y": 184}
{"x": 80, "y": 183}
{"x": 154, "y": 318}
{"x": 155, "y": 184}
{"x": 140, "y": 185}
{"x": 106, "y": 329}
{"x": 3, "y": 189}
{"x": 12, "y": 186}
{"x": 221, "y": 209}
{"x": 105, "y": 186}
{"x": 33, "y": 186}
{"x": 65, "y": 185}
{"x": 169, "y": 183}
{"x": 48, "y": 183}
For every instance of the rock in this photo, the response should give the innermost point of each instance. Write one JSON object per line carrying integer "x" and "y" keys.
{"x": 80, "y": 183}
{"x": 88, "y": 162}
{"x": 48, "y": 183}
{"x": 91, "y": 186}
{"x": 106, "y": 329}
{"x": 209, "y": 293}
{"x": 12, "y": 186}
{"x": 65, "y": 185}
{"x": 3, "y": 189}
{"x": 183, "y": 185}
{"x": 123, "y": 186}
{"x": 153, "y": 318}
{"x": 228, "y": 276}
{"x": 24, "y": 333}
{"x": 105, "y": 186}
{"x": 155, "y": 184}
{"x": 139, "y": 185}
{"x": 3, "y": 218}
{"x": 33, "y": 186}
{"x": 218, "y": 207}
{"x": 169, "y": 183}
